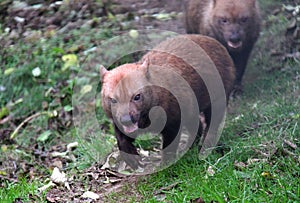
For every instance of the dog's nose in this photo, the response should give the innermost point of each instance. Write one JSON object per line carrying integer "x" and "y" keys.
{"x": 126, "y": 120}
{"x": 235, "y": 37}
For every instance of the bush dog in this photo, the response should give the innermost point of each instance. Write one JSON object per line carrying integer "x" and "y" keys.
{"x": 234, "y": 23}
{"x": 172, "y": 76}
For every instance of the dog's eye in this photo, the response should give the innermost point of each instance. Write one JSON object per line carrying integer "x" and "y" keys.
{"x": 224, "y": 20}
{"x": 244, "y": 19}
{"x": 137, "y": 97}
{"x": 113, "y": 101}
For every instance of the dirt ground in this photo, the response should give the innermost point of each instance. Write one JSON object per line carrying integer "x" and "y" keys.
{"x": 155, "y": 6}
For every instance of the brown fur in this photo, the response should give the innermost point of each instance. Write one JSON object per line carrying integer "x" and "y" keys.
{"x": 234, "y": 23}
{"x": 128, "y": 92}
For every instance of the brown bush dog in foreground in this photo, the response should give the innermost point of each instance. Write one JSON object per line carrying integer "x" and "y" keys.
{"x": 130, "y": 91}
{"x": 234, "y": 23}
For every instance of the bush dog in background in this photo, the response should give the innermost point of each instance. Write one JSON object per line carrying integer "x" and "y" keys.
{"x": 234, "y": 23}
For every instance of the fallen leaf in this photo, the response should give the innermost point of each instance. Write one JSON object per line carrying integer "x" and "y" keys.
{"x": 72, "y": 145}
{"x": 166, "y": 188}
{"x": 266, "y": 174}
{"x": 126, "y": 172}
{"x": 163, "y": 16}
{"x": 36, "y": 72}
{"x": 9, "y": 71}
{"x": 253, "y": 161}
{"x": 133, "y": 34}
{"x": 4, "y": 148}
{"x": 57, "y": 163}
{"x": 44, "y": 136}
{"x": 3, "y": 173}
{"x": 289, "y": 143}
{"x": 70, "y": 61}
{"x": 144, "y": 153}
{"x": 93, "y": 49}
{"x": 2, "y": 88}
{"x": 240, "y": 165}
{"x": 160, "y": 197}
{"x": 86, "y": 88}
{"x": 19, "y": 19}
{"x": 91, "y": 195}
{"x": 289, "y": 8}
{"x": 241, "y": 174}
{"x": 68, "y": 108}
{"x": 58, "y": 177}
{"x": 211, "y": 171}
{"x": 111, "y": 16}
{"x": 51, "y": 199}
{"x": 296, "y": 116}
{"x": 4, "y": 112}
{"x": 45, "y": 187}
{"x": 59, "y": 154}
{"x": 107, "y": 180}
{"x": 197, "y": 200}
{"x": 53, "y": 114}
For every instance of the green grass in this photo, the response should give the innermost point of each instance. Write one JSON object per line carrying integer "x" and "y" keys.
{"x": 228, "y": 183}
{"x": 257, "y": 127}
{"x": 256, "y": 130}
{"x": 22, "y": 191}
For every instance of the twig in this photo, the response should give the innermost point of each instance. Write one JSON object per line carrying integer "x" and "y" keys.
{"x": 166, "y": 188}
{"x": 289, "y": 152}
{"x": 12, "y": 136}
{"x": 4, "y": 120}
{"x": 260, "y": 152}
{"x": 119, "y": 175}
{"x": 289, "y": 143}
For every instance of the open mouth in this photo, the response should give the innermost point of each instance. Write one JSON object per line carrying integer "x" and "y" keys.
{"x": 234, "y": 45}
{"x": 130, "y": 128}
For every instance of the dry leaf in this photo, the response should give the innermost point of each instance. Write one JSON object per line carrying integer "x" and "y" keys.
{"x": 266, "y": 174}
{"x": 45, "y": 187}
{"x": 58, "y": 177}
{"x": 70, "y": 61}
{"x": 91, "y": 195}
{"x": 211, "y": 171}
{"x": 72, "y": 145}
{"x": 86, "y": 88}
{"x": 240, "y": 165}
{"x": 133, "y": 34}
{"x": 197, "y": 200}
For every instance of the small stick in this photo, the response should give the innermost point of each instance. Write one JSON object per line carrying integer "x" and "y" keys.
{"x": 292, "y": 145}
{"x": 260, "y": 152}
{"x": 12, "y": 136}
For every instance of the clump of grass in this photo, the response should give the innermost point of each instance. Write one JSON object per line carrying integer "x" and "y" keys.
{"x": 21, "y": 191}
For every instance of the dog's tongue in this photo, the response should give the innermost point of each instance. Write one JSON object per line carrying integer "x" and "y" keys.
{"x": 234, "y": 44}
{"x": 130, "y": 129}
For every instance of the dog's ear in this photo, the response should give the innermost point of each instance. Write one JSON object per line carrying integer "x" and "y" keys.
{"x": 214, "y": 3}
{"x": 103, "y": 71}
{"x": 254, "y": 4}
{"x": 145, "y": 65}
